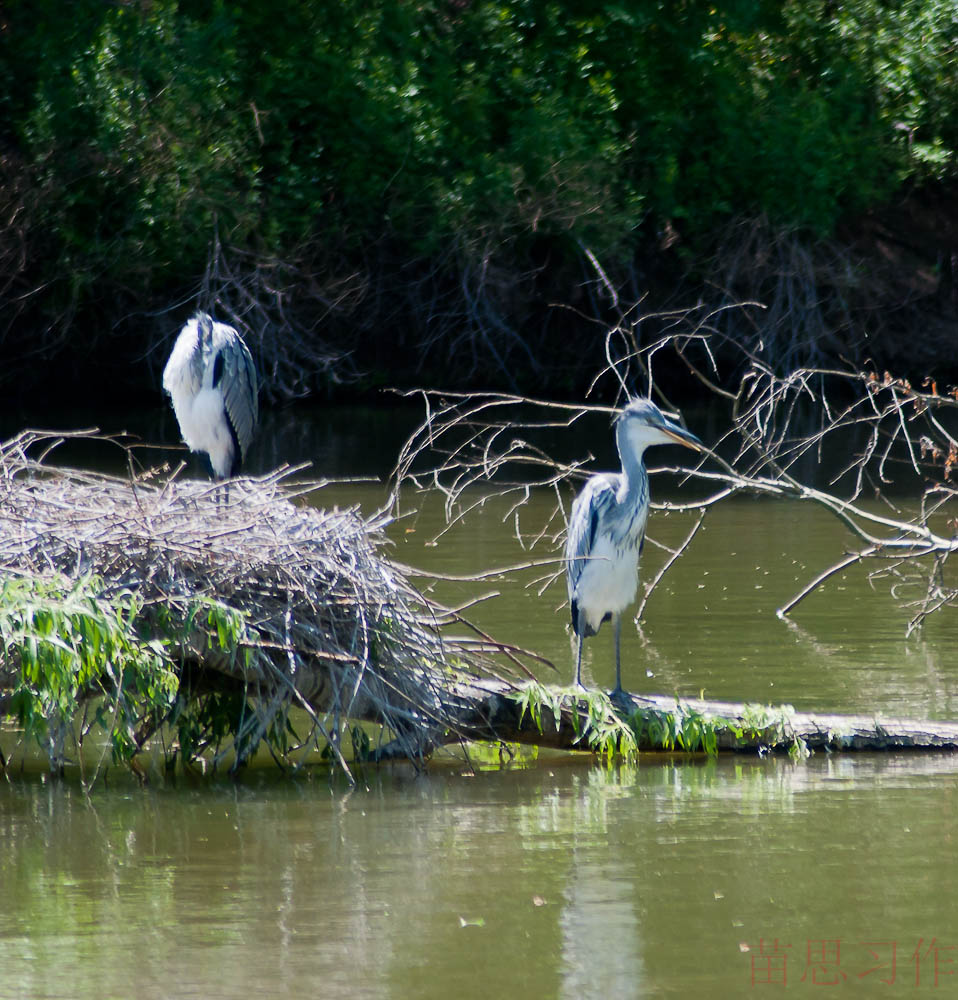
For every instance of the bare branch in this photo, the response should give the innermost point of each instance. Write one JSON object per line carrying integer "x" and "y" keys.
{"x": 779, "y": 430}
{"x": 674, "y": 554}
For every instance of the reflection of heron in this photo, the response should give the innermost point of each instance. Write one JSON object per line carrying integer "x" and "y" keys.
{"x": 607, "y": 528}
{"x": 211, "y": 379}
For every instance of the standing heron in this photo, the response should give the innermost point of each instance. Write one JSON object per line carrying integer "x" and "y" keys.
{"x": 212, "y": 382}
{"x": 607, "y": 528}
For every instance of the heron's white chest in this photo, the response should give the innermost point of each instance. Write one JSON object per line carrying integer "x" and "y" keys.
{"x": 609, "y": 580}
{"x": 204, "y": 427}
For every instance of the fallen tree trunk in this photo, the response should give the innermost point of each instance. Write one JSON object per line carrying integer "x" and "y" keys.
{"x": 562, "y": 719}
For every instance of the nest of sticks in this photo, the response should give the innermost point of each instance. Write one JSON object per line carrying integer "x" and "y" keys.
{"x": 330, "y": 625}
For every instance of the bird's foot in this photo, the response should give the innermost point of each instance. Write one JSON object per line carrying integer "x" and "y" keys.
{"x": 620, "y": 695}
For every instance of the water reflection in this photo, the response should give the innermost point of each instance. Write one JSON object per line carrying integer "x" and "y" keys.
{"x": 567, "y": 879}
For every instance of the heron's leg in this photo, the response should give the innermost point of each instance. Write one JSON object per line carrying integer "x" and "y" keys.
{"x": 617, "y": 626}
{"x": 580, "y": 629}
{"x": 221, "y": 495}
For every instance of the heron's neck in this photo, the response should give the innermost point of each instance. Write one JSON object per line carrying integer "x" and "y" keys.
{"x": 633, "y": 467}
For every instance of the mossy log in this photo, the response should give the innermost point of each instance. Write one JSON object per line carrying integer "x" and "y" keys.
{"x": 564, "y": 719}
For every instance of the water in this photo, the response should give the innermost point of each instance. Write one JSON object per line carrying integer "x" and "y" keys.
{"x": 550, "y": 876}
{"x": 710, "y": 625}
{"x": 671, "y": 878}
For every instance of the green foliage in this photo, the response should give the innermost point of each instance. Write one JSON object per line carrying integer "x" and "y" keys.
{"x": 136, "y": 135}
{"x": 149, "y": 124}
{"x": 601, "y": 728}
{"x": 73, "y": 645}
{"x": 204, "y": 721}
{"x": 686, "y": 729}
{"x": 467, "y": 144}
{"x": 533, "y": 698}
{"x": 227, "y": 625}
{"x": 774, "y": 726}
{"x": 69, "y": 641}
{"x": 595, "y": 722}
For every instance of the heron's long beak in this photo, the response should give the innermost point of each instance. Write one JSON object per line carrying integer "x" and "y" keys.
{"x": 681, "y": 436}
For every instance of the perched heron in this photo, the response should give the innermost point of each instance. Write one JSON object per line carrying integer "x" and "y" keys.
{"x": 607, "y": 528}
{"x": 212, "y": 382}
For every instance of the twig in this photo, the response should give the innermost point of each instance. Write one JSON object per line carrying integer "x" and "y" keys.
{"x": 667, "y": 565}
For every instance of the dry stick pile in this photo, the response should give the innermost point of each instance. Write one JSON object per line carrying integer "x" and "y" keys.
{"x": 332, "y": 627}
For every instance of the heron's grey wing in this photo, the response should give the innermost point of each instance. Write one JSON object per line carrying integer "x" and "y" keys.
{"x": 240, "y": 390}
{"x": 592, "y": 506}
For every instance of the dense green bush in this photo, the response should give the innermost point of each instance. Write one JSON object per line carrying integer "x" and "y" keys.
{"x": 517, "y": 129}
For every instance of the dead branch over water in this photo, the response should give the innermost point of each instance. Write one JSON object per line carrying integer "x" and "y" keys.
{"x": 894, "y": 447}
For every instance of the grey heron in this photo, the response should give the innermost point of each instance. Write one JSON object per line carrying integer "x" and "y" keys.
{"x": 607, "y": 528}
{"x": 211, "y": 381}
